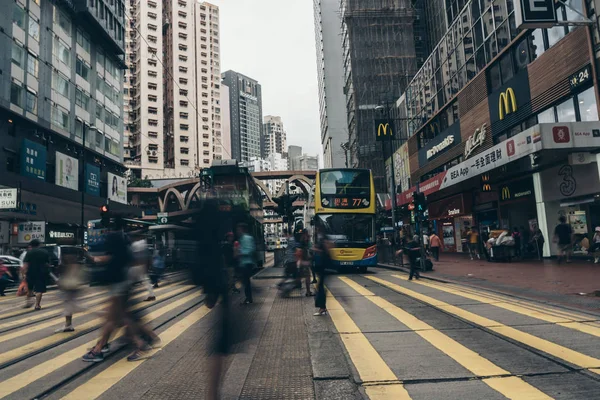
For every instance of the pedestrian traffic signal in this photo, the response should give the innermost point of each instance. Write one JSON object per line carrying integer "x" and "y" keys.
{"x": 104, "y": 215}
{"x": 420, "y": 202}
{"x": 103, "y": 209}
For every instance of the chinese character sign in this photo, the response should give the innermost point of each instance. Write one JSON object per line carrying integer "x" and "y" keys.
{"x": 117, "y": 188}
{"x": 29, "y": 231}
{"x": 33, "y": 160}
{"x": 8, "y": 199}
{"x": 92, "y": 180}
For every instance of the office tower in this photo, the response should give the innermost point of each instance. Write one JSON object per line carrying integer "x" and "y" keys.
{"x": 330, "y": 71}
{"x": 274, "y": 136}
{"x": 245, "y": 107}
{"x": 294, "y": 153}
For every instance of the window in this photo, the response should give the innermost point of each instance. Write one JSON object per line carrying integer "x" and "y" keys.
{"x": 60, "y": 118}
{"x": 184, "y": 139}
{"x": 60, "y": 84}
{"x": 31, "y": 102}
{"x": 183, "y": 103}
{"x": 111, "y": 146}
{"x": 34, "y": 29}
{"x": 153, "y": 74}
{"x": 183, "y": 92}
{"x": 62, "y": 52}
{"x": 82, "y": 69}
{"x": 151, "y": 15}
{"x": 79, "y": 128}
{"x": 547, "y": 116}
{"x": 182, "y": 47}
{"x": 184, "y": 127}
{"x": 16, "y": 94}
{"x": 99, "y": 112}
{"x": 82, "y": 99}
{"x": 185, "y": 150}
{"x": 506, "y": 67}
{"x": 18, "y": 55}
{"x": 152, "y": 62}
{"x": 19, "y": 16}
{"x": 184, "y": 162}
{"x": 152, "y": 86}
{"x": 83, "y": 40}
{"x": 566, "y": 111}
{"x": 32, "y": 65}
{"x": 182, "y": 36}
{"x": 152, "y": 110}
{"x": 183, "y": 69}
{"x": 63, "y": 21}
{"x": 183, "y": 115}
{"x": 152, "y": 134}
{"x": 152, "y": 38}
{"x": 152, "y": 98}
{"x": 182, "y": 25}
{"x": 100, "y": 59}
{"x": 153, "y": 122}
{"x": 587, "y": 105}
{"x": 182, "y": 57}
{"x": 152, "y": 27}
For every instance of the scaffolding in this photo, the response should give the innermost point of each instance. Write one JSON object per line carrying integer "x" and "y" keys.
{"x": 379, "y": 61}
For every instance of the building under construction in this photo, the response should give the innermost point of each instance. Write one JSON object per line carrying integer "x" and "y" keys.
{"x": 378, "y": 43}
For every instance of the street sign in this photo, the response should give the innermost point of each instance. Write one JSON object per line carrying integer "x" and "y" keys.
{"x": 534, "y": 14}
{"x": 162, "y": 218}
{"x": 385, "y": 129}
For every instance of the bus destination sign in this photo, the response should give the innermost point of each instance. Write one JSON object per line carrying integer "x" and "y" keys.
{"x": 345, "y": 202}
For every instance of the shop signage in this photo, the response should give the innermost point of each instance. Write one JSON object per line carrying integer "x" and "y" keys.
{"x": 29, "y": 231}
{"x": 8, "y": 199}
{"x": 92, "y": 179}
{"x": 117, "y": 188}
{"x": 33, "y": 160}
{"x": 162, "y": 218}
{"x": 510, "y": 102}
{"x": 581, "y": 158}
{"x": 534, "y": 13}
{"x": 475, "y": 140}
{"x": 581, "y": 77}
{"x": 67, "y": 171}
{"x": 61, "y": 235}
{"x": 4, "y": 232}
{"x": 439, "y": 144}
{"x": 569, "y": 181}
{"x": 571, "y": 135}
{"x": 385, "y": 129}
{"x": 449, "y": 207}
{"x": 516, "y": 190}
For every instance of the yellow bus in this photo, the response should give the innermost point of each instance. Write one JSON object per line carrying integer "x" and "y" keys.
{"x": 344, "y": 207}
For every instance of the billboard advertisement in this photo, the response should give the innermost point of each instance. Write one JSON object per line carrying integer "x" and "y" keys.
{"x": 67, "y": 171}
{"x": 92, "y": 179}
{"x": 117, "y": 188}
{"x": 28, "y": 231}
{"x": 33, "y": 160}
{"x": 402, "y": 167}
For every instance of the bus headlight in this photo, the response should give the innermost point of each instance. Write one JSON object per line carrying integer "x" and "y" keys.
{"x": 370, "y": 252}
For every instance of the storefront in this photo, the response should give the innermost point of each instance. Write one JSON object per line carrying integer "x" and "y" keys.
{"x": 451, "y": 219}
{"x": 517, "y": 205}
{"x": 61, "y": 234}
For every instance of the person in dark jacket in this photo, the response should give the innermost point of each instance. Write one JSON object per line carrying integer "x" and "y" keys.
{"x": 322, "y": 261}
{"x": 413, "y": 251}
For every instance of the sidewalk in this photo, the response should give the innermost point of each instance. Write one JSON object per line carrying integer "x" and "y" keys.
{"x": 544, "y": 280}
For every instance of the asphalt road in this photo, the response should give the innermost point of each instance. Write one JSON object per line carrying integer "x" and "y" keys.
{"x": 384, "y": 338}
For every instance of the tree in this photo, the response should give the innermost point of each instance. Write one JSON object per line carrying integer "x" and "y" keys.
{"x": 134, "y": 181}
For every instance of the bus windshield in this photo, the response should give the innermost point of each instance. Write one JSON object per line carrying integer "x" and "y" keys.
{"x": 347, "y": 227}
{"x": 345, "y": 182}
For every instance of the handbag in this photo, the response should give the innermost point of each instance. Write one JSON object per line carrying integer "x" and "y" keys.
{"x": 22, "y": 290}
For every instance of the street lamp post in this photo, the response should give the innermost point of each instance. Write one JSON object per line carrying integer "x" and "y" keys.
{"x": 389, "y": 139}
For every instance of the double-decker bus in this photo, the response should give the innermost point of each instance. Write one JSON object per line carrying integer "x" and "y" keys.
{"x": 344, "y": 207}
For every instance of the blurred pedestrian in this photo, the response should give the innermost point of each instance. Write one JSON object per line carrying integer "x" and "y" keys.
{"x": 322, "y": 261}
{"x": 246, "y": 252}
{"x": 69, "y": 283}
{"x": 138, "y": 271}
{"x": 525, "y": 237}
{"x": 537, "y": 241}
{"x": 5, "y": 278}
{"x": 158, "y": 265}
{"x": 517, "y": 238}
{"x": 304, "y": 261}
{"x": 474, "y": 243}
{"x": 230, "y": 262}
{"x": 36, "y": 270}
{"x": 426, "y": 243}
{"x": 290, "y": 267}
{"x": 563, "y": 237}
{"x": 435, "y": 243}
{"x": 595, "y": 249}
{"x": 413, "y": 252}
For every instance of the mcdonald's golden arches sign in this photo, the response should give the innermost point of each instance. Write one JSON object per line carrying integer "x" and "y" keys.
{"x": 385, "y": 129}
{"x": 507, "y": 103}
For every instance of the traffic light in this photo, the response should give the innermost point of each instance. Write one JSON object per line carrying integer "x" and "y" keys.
{"x": 485, "y": 183}
{"x": 285, "y": 206}
{"x": 104, "y": 215}
{"x": 420, "y": 202}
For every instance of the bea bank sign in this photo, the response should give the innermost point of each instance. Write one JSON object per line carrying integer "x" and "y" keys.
{"x": 534, "y": 13}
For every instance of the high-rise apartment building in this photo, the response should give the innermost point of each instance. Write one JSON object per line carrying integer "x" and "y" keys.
{"x": 330, "y": 71}
{"x": 308, "y": 163}
{"x": 275, "y": 140}
{"x": 61, "y": 116}
{"x": 225, "y": 123}
{"x": 245, "y": 107}
{"x": 294, "y": 153}
{"x": 378, "y": 44}
{"x": 173, "y": 94}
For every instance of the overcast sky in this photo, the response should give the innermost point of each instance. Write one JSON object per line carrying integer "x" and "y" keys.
{"x": 273, "y": 41}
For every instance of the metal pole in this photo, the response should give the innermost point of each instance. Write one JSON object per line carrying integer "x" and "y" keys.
{"x": 287, "y": 212}
{"x": 82, "y": 180}
{"x": 393, "y": 172}
{"x": 420, "y": 233}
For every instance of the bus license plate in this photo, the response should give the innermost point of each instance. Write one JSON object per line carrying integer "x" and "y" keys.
{"x": 346, "y": 263}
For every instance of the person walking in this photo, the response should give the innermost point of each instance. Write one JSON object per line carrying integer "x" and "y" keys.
{"x": 413, "y": 252}
{"x": 138, "y": 271}
{"x": 158, "y": 265}
{"x": 290, "y": 271}
{"x": 69, "y": 283}
{"x": 435, "y": 243}
{"x": 426, "y": 243}
{"x": 563, "y": 238}
{"x": 517, "y": 238}
{"x": 246, "y": 259}
{"x": 525, "y": 237}
{"x": 5, "y": 278}
{"x": 35, "y": 268}
{"x": 595, "y": 250}
{"x": 474, "y": 243}
{"x": 322, "y": 261}
{"x": 303, "y": 257}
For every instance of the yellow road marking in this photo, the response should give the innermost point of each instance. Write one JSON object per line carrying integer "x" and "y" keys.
{"x": 45, "y": 305}
{"x": 100, "y": 383}
{"x": 56, "y": 338}
{"x": 469, "y": 359}
{"x": 369, "y": 364}
{"x": 387, "y": 392}
{"x": 558, "y": 351}
{"x": 37, "y": 316}
{"x": 543, "y": 316}
{"x": 26, "y": 378}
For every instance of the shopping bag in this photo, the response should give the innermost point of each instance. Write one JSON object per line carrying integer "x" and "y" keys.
{"x": 22, "y": 290}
